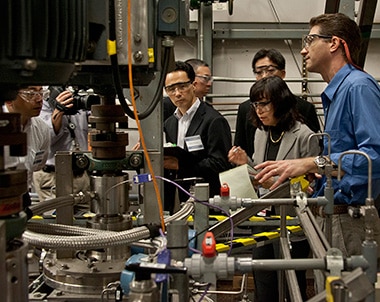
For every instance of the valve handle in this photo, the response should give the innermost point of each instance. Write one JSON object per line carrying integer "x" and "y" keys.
{"x": 209, "y": 245}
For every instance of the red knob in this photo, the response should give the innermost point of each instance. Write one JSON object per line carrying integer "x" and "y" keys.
{"x": 208, "y": 245}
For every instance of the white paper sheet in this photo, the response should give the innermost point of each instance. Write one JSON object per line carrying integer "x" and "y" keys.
{"x": 239, "y": 182}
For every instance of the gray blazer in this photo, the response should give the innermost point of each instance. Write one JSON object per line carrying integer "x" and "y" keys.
{"x": 294, "y": 144}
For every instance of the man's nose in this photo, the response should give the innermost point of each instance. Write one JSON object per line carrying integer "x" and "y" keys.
{"x": 39, "y": 99}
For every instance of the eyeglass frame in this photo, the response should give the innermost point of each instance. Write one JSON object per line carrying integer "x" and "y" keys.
{"x": 181, "y": 86}
{"x": 265, "y": 68}
{"x": 306, "y": 44}
{"x": 32, "y": 95}
{"x": 263, "y": 106}
{"x": 205, "y": 78}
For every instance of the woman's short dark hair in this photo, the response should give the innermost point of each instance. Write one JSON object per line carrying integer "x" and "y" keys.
{"x": 284, "y": 102}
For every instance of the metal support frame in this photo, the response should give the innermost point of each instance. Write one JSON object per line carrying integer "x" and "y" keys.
{"x": 152, "y": 129}
{"x": 3, "y": 267}
{"x": 366, "y": 16}
{"x": 327, "y": 261}
{"x": 344, "y": 6}
{"x": 64, "y": 187}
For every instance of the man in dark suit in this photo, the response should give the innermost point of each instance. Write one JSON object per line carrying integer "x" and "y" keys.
{"x": 267, "y": 62}
{"x": 200, "y": 130}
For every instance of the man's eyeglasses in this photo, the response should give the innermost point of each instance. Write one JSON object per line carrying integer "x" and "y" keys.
{"x": 263, "y": 106}
{"x": 182, "y": 86}
{"x": 267, "y": 69}
{"x": 205, "y": 78}
{"x": 308, "y": 39}
{"x": 31, "y": 96}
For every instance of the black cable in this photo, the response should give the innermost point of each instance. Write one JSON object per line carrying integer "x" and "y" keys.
{"x": 158, "y": 95}
{"x": 116, "y": 72}
{"x": 114, "y": 61}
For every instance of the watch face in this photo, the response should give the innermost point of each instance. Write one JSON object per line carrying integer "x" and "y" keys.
{"x": 320, "y": 161}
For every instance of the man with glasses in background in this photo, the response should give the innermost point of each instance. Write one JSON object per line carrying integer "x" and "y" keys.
{"x": 28, "y": 104}
{"x": 268, "y": 62}
{"x": 199, "y": 129}
{"x": 202, "y": 84}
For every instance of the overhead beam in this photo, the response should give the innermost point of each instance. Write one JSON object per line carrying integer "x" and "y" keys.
{"x": 365, "y": 19}
{"x": 331, "y": 6}
{"x": 346, "y": 7}
{"x": 243, "y": 30}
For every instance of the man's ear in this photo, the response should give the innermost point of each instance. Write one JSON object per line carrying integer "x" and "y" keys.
{"x": 335, "y": 43}
{"x": 10, "y": 106}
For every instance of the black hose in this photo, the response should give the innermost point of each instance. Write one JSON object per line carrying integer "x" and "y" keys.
{"x": 116, "y": 73}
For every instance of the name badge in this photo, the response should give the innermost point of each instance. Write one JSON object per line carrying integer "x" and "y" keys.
{"x": 38, "y": 158}
{"x": 194, "y": 143}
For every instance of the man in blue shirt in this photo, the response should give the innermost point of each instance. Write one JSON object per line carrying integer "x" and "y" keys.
{"x": 351, "y": 103}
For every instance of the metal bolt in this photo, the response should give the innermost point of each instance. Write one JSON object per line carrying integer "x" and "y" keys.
{"x": 137, "y": 38}
{"x": 138, "y": 56}
{"x": 30, "y": 64}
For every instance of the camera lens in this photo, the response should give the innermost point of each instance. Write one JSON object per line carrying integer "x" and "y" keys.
{"x": 85, "y": 101}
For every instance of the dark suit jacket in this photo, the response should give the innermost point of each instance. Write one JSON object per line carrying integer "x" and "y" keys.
{"x": 169, "y": 107}
{"x": 215, "y": 134}
{"x": 245, "y": 131}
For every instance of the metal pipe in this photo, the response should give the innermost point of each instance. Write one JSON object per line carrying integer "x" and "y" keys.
{"x": 183, "y": 213}
{"x": 177, "y": 243}
{"x": 369, "y": 245}
{"x": 50, "y": 204}
{"x": 246, "y": 95}
{"x": 246, "y": 202}
{"x": 316, "y": 238}
{"x": 290, "y": 264}
{"x": 244, "y": 213}
{"x": 252, "y": 80}
{"x": 85, "y": 242}
{"x": 369, "y": 169}
{"x": 291, "y": 278}
{"x": 284, "y": 247}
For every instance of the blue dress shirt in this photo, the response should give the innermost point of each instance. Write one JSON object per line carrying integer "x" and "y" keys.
{"x": 351, "y": 104}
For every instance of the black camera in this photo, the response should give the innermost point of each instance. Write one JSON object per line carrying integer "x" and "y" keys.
{"x": 81, "y": 101}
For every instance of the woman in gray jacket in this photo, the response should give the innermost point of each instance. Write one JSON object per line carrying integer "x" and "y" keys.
{"x": 281, "y": 134}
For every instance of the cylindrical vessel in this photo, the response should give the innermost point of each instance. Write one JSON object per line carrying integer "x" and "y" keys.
{"x": 111, "y": 194}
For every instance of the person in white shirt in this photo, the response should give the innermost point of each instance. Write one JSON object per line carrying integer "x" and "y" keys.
{"x": 68, "y": 130}
{"x": 28, "y": 104}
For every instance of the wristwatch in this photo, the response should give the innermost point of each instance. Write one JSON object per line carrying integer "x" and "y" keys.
{"x": 321, "y": 162}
